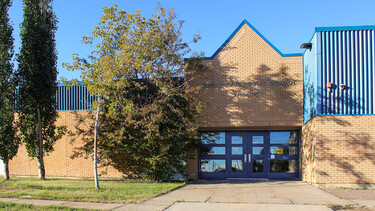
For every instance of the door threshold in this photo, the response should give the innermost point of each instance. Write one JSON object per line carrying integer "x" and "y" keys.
{"x": 248, "y": 179}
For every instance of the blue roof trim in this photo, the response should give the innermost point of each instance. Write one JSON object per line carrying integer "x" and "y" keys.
{"x": 79, "y": 83}
{"x": 344, "y": 28}
{"x": 253, "y": 28}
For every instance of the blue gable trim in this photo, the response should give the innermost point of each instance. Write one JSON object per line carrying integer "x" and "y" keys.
{"x": 344, "y": 28}
{"x": 253, "y": 28}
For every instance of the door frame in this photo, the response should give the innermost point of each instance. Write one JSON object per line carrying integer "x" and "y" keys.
{"x": 267, "y": 174}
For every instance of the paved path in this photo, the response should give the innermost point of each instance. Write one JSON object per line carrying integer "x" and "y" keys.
{"x": 223, "y": 195}
{"x": 362, "y": 197}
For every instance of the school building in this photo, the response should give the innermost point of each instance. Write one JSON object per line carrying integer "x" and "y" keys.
{"x": 305, "y": 116}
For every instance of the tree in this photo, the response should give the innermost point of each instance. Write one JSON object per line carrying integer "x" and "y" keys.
{"x": 36, "y": 78}
{"x": 9, "y": 142}
{"x": 148, "y": 122}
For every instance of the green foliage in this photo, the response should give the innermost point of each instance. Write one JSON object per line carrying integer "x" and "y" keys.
{"x": 148, "y": 124}
{"x": 36, "y": 78}
{"x": 8, "y": 140}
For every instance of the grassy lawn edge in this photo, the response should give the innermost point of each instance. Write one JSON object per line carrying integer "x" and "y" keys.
{"x": 83, "y": 190}
{"x": 28, "y": 207}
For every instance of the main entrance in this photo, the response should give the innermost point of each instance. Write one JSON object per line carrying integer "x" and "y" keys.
{"x": 245, "y": 154}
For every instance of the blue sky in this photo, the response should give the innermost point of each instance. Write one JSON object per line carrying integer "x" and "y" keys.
{"x": 285, "y": 23}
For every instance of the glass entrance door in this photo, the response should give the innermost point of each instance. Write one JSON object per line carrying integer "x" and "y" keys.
{"x": 247, "y": 155}
{"x": 237, "y": 151}
{"x": 258, "y": 155}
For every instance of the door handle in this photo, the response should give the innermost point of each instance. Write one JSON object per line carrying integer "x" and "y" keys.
{"x": 245, "y": 158}
{"x": 249, "y": 158}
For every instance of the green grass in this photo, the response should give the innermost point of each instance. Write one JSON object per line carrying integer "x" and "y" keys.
{"x": 21, "y": 207}
{"x": 112, "y": 191}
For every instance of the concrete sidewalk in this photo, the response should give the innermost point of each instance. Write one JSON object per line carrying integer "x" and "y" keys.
{"x": 224, "y": 195}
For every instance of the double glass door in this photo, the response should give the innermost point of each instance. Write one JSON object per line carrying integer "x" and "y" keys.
{"x": 247, "y": 155}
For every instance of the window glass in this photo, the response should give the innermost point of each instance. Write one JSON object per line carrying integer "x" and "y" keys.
{"x": 289, "y": 137}
{"x": 212, "y": 165}
{"x": 258, "y": 150}
{"x": 286, "y": 166}
{"x": 236, "y": 139}
{"x": 258, "y": 139}
{"x": 258, "y": 166}
{"x": 237, "y": 166}
{"x": 282, "y": 150}
{"x": 213, "y": 138}
{"x": 217, "y": 151}
{"x": 236, "y": 150}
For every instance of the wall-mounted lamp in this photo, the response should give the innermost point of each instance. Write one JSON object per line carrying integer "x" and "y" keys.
{"x": 329, "y": 86}
{"x": 306, "y": 46}
{"x": 342, "y": 86}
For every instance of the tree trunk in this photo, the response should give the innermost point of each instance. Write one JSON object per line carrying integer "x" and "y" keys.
{"x": 96, "y": 149}
{"x": 6, "y": 169}
{"x": 42, "y": 173}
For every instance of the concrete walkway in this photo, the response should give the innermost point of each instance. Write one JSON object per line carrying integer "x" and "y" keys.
{"x": 224, "y": 195}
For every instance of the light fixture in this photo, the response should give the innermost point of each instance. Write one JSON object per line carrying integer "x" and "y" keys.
{"x": 329, "y": 86}
{"x": 306, "y": 45}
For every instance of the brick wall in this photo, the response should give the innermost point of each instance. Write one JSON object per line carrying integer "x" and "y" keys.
{"x": 248, "y": 58}
{"x": 58, "y": 162}
{"x": 339, "y": 150}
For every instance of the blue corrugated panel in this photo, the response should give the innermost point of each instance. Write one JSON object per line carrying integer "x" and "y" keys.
{"x": 74, "y": 98}
{"x": 310, "y": 83}
{"x": 347, "y": 57}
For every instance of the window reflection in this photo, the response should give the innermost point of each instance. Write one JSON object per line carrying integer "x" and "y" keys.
{"x": 236, "y": 150}
{"x": 258, "y": 166}
{"x": 283, "y": 150}
{"x": 258, "y": 139}
{"x": 213, "y": 138}
{"x": 283, "y": 137}
{"x": 237, "y": 166}
{"x": 212, "y": 165}
{"x": 217, "y": 151}
{"x": 286, "y": 166}
{"x": 258, "y": 150}
{"x": 236, "y": 139}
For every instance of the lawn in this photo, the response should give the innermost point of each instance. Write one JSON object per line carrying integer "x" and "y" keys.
{"x": 21, "y": 207}
{"x": 112, "y": 191}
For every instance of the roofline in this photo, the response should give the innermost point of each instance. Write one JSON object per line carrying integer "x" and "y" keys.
{"x": 344, "y": 28}
{"x": 253, "y": 28}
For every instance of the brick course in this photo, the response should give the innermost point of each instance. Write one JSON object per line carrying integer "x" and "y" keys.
{"x": 248, "y": 58}
{"x": 58, "y": 163}
{"x": 338, "y": 150}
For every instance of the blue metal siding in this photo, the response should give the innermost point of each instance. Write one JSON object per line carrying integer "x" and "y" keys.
{"x": 73, "y": 98}
{"x": 347, "y": 57}
{"x": 310, "y": 80}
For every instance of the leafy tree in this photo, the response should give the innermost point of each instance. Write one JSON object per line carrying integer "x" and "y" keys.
{"x": 148, "y": 121}
{"x": 9, "y": 142}
{"x": 36, "y": 77}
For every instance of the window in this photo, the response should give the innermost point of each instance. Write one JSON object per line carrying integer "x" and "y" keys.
{"x": 213, "y": 138}
{"x": 289, "y": 137}
{"x": 212, "y": 165}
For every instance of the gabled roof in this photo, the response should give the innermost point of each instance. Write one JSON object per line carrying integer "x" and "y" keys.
{"x": 254, "y": 29}
{"x": 344, "y": 28}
